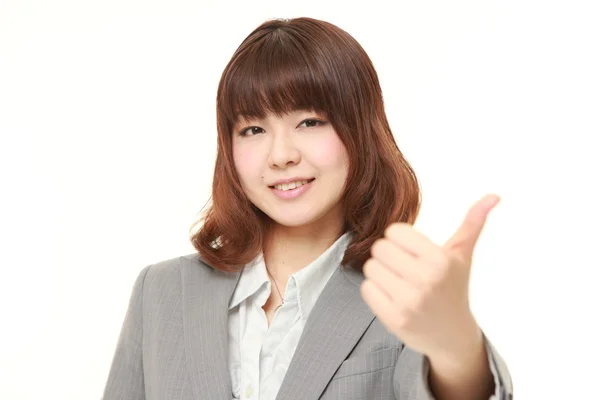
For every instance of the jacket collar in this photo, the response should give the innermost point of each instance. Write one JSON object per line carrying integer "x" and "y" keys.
{"x": 305, "y": 284}
{"x": 334, "y": 326}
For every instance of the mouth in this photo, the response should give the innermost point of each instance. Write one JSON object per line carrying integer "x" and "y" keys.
{"x": 291, "y": 186}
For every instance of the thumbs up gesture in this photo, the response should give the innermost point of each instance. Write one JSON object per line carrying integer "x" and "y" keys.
{"x": 420, "y": 291}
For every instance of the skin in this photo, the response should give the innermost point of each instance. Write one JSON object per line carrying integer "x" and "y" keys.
{"x": 295, "y": 145}
{"x": 299, "y": 144}
{"x": 418, "y": 290}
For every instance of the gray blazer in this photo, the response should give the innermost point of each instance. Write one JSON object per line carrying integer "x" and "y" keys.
{"x": 173, "y": 343}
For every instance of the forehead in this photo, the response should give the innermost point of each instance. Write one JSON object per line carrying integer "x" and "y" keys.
{"x": 272, "y": 82}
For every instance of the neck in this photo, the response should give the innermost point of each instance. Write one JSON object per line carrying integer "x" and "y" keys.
{"x": 289, "y": 249}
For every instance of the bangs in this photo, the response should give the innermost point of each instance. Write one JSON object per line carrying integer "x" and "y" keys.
{"x": 273, "y": 75}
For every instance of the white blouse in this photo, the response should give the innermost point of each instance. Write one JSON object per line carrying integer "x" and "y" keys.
{"x": 259, "y": 355}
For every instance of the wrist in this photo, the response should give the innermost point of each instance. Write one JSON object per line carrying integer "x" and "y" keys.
{"x": 464, "y": 374}
{"x": 464, "y": 352}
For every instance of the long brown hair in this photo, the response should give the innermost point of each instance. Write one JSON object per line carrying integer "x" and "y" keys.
{"x": 304, "y": 63}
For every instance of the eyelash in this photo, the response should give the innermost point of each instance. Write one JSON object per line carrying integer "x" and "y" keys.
{"x": 318, "y": 121}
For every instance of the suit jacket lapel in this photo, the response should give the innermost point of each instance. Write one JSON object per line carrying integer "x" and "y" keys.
{"x": 334, "y": 326}
{"x": 336, "y": 323}
{"x": 206, "y": 294}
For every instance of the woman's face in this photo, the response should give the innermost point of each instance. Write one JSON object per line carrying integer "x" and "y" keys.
{"x": 303, "y": 145}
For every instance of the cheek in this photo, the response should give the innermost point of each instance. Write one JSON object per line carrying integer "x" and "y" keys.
{"x": 330, "y": 153}
{"x": 246, "y": 164}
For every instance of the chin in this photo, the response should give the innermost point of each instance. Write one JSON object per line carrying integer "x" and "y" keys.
{"x": 298, "y": 214}
{"x": 291, "y": 221}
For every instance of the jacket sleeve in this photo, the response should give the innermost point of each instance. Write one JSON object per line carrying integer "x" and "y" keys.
{"x": 126, "y": 374}
{"x": 412, "y": 373}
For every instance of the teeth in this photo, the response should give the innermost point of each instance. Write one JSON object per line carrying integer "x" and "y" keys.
{"x": 291, "y": 185}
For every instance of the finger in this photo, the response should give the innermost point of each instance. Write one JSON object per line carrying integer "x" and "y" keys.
{"x": 465, "y": 237}
{"x": 411, "y": 240}
{"x": 398, "y": 260}
{"x": 392, "y": 284}
{"x": 378, "y": 301}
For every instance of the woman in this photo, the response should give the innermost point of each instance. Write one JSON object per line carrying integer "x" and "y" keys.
{"x": 309, "y": 280}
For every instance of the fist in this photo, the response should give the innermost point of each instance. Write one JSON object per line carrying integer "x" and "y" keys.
{"x": 420, "y": 290}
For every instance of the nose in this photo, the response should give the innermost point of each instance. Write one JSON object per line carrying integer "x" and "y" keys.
{"x": 283, "y": 150}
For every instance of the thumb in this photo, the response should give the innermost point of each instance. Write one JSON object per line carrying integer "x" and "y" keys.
{"x": 464, "y": 239}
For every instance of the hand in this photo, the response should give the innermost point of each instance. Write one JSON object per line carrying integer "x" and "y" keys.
{"x": 420, "y": 291}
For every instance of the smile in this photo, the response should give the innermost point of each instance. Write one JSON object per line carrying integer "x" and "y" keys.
{"x": 291, "y": 185}
{"x": 292, "y": 189}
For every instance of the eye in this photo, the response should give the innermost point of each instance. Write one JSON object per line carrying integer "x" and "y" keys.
{"x": 252, "y": 129}
{"x": 311, "y": 123}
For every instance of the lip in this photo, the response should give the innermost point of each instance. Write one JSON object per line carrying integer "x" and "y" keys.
{"x": 293, "y": 193}
{"x": 289, "y": 180}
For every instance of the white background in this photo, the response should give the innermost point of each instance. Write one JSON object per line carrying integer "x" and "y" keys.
{"x": 108, "y": 141}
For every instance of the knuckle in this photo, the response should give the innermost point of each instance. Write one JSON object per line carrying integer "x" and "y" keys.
{"x": 368, "y": 267}
{"x": 395, "y": 229}
{"x": 366, "y": 288}
{"x": 377, "y": 246}
{"x": 391, "y": 229}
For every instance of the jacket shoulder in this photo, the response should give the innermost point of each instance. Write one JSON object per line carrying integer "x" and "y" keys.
{"x": 170, "y": 272}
